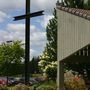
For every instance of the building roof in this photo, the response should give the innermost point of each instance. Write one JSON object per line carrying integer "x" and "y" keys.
{"x": 78, "y": 12}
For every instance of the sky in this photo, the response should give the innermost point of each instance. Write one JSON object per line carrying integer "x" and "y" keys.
{"x": 15, "y": 30}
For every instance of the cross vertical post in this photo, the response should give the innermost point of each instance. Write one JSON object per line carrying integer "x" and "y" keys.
{"x": 27, "y": 17}
{"x": 27, "y": 43}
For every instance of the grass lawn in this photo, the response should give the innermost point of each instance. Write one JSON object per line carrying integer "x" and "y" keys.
{"x": 47, "y": 85}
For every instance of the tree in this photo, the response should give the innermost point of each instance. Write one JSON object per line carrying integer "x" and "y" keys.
{"x": 33, "y": 65}
{"x": 49, "y": 57}
{"x": 77, "y": 4}
{"x": 74, "y": 3}
{"x": 10, "y": 53}
{"x": 51, "y": 33}
{"x": 87, "y": 5}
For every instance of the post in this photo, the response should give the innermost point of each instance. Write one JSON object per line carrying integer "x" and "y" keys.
{"x": 61, "y": 1}
{"x": 60, "y": 76}
{"x": 27, "y": 43}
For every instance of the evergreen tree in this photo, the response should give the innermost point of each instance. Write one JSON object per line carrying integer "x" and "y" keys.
{"x": 33, "y": 65}
{"x": 74, "y": 3}
{"x": 51, "y": 33}
{"x": 87, "y": 5}
{"x": 77, "y": 4}
{"x": 48, "y": 60}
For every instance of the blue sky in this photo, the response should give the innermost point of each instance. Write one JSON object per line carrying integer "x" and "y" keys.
{"x": 15, "y": 30}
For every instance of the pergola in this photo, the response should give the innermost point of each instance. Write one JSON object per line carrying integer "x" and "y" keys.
{"x": 73, "y": 39}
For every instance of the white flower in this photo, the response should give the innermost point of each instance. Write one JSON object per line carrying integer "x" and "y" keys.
{"x": 41, "y": 62}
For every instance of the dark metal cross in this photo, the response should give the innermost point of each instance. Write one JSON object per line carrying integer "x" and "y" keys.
{"x": 27, "y": 17}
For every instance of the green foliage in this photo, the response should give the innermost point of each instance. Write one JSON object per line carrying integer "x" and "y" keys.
{"x": 51, "y": 33}
{"x": 34, "y": 65}
{"x": 74, "y": 3}
{"x": 44, "y": 87}
{"x": 87, "y": 5}
{"x": 49, "y": 55}
{"x": 82, "y": 68}
{"x": 48, "y": 85}
{"x": 11, "y": 55}
{"x": 3, "y": 87}
{"x": 77, "y": 4}
{"x": 51, "y": 70}
{"x": 11, "y": 52}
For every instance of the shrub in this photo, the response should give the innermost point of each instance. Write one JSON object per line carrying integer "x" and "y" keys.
{"x": 49, "y": 85}
{"x": 49, "y": 70}
{"x": 3, "y": 87}
{"x": 74, "y": 81}
{"x": 43, "y": 87}
{"x": 21, "y": 87}
{"x": 47, "y": 66}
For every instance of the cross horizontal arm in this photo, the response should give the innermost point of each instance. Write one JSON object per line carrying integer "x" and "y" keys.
{"x": 35, "y": 14}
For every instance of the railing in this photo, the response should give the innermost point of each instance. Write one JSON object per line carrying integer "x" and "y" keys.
{"x": 83, "y": 52}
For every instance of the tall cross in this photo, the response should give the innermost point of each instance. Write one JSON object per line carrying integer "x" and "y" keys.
{"x": 27, "y": 17}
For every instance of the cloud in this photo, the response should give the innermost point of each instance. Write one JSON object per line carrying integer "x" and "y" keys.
{"x": 7, "y": 5}
{"x": 46, "y": 5}
{"x": 46, "y": 20}
{"x": 10, "y": 5}
{"x": 17, "y": 32}
{"x": 38, "y": 41}
{"x": 14, "y": 31}
{"x": 3, "y": 16}
{"x": 33, "y": 53}
{"x": 16, "y": 27}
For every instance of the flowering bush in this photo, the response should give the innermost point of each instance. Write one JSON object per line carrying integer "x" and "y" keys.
{"x": 74, "y": 81}
{"x": 42, "y": 64}
{"x": 47, "y": 66}
{"x": 51, "y": 70}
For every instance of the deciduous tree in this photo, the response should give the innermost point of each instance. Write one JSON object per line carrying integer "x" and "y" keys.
{"x": 10, "y": 53}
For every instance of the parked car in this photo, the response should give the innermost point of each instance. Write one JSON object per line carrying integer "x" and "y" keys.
{"x": 12, "y": 81}
{"x": 31, "y": 80}
{"x": 21, "y": 80}
{"x": 3, "y": 81}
